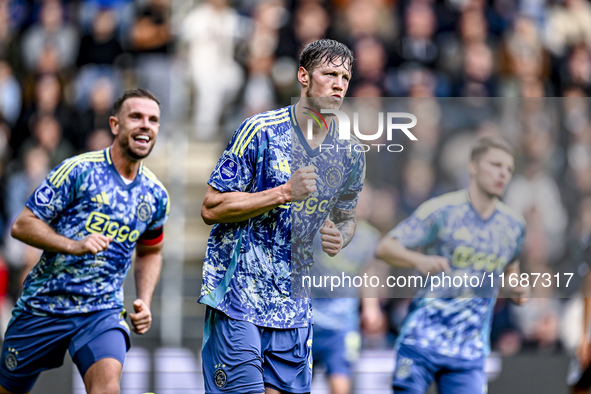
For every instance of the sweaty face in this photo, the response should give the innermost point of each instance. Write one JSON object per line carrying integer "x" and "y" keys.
{"x": 136, "y": 127}
{"x": 330, "y": 82}
{"x": 493, "y": 171}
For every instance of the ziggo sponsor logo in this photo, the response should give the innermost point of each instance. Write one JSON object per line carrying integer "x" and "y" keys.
{"x": 100, "y": 223}
{"x": 311, "y": 205}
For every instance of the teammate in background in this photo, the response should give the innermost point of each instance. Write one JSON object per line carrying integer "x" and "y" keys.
{"x": 336, "y": 320}
{"x": 269, "y": 183}
{"x": 445, "y": 336}
{"x": 89, "y": 215}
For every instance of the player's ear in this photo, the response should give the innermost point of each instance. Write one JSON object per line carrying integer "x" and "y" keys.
{"x": 472, "y": 168}
{"x": 303, "y": 77}
{"x": 114, "y": 123}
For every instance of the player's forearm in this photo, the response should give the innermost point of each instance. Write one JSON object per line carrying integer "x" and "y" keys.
{"x": 394, "y": 253}
{"x": 233, "y": 207}
{"x": 31, "y": 230}
{"x": 347, "y": 229}
{"x": 147, "y": 272}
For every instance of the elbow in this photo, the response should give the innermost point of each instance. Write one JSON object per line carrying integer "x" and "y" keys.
{"x": 15, "y": 230}
{"x": 381, "y": 250}
{"x": 208, "y": 215}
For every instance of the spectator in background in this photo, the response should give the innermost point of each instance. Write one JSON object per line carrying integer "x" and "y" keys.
{"x": 576, "y": 69}
{"x": 360, "y": 18}
{"x": 97, "y": 115}
{"x": 48, "y": 100}
{"x": 417, "y": 46}
{"x": 9, "y": 40}
{"x": 569, "y": 23}
{"x": 99, "y": 139}
{"x": 97, "y": 56}
{"x": 10, "y": 94}
{"x": 122, "y": 11}
{"x": 47, "y": 133}
{"x": 522, "y": 57}
{"x": 477, "y": 78}
{"x": 259, "y": 91}
{"x": 471, "y": 29}
{"x": 370, "y": 66}
{"x": 212, "y": 31}
{"x": 50, "y": 45}
{"x": 153, "y": 43}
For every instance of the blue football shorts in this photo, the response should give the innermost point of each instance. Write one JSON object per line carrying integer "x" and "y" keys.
{"x": 416, "y": 368}
{"x": 335, "y": 349}
{"x": 239, "y": 357}
{"x": 35, "y": 343}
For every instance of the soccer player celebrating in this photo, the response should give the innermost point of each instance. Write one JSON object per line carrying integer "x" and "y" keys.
{"x": 446, "y": 333}
{"x": 270, "y": 182}
{"x": 89, "y": 215}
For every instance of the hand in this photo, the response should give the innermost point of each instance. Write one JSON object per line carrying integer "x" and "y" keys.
{"x": 332, "y": 240}
{"x": 432, "y": 264}
{"x": 301, "y": 184}
{"x": 373, "y": 320}
{"x": 520, "y": 295}
{"x": 93, "y": 244}
{"x": 142, "y": 319}
{"x": 584, "y": 352}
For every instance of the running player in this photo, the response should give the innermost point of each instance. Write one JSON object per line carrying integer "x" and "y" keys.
{"x": 445, "y": 336}
{"x": 270, "y": 182}
{"x": 88, "y": 216}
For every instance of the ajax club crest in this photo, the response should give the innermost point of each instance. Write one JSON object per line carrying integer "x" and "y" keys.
{"x": 333, "y": 176}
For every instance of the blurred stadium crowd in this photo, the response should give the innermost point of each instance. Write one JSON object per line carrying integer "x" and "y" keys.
{"x": 214, "y": 62}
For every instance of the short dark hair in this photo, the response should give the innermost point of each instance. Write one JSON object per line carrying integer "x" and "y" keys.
{"x": 131, "y": 93}
{"x": 325, "y": 51}
{"x": 482, "y": 145}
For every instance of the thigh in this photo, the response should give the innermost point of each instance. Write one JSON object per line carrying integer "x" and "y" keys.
{"x": 109, "y": 344}
{"x": 469, "y": 381}
{"x": 31, "y": 345}
{"x": 231, "y": 355}
{"x": 287, "y": 355}
{"x": 92, "y": 325}
{"x": 412, "y": 372}
{"x": 103, "y": 376}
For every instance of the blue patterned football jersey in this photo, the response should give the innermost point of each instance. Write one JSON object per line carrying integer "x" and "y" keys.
{"x": 455, "y": 320}
{"x": 83, "y": 195}
{"x": 248, "y": 267}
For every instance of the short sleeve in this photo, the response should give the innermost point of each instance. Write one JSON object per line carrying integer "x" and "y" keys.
{"x": 417, "y": 232}
{"x": 56, "y": 192}
{"x": 163, "y": 210}
{"x": 234, "y": 172}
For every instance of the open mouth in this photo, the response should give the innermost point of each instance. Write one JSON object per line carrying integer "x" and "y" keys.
{"x": 142, "y": 139}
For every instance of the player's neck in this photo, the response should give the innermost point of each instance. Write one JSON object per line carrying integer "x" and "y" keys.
{"x": 126, "y": 167}
{"x": 482, "y": 202}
